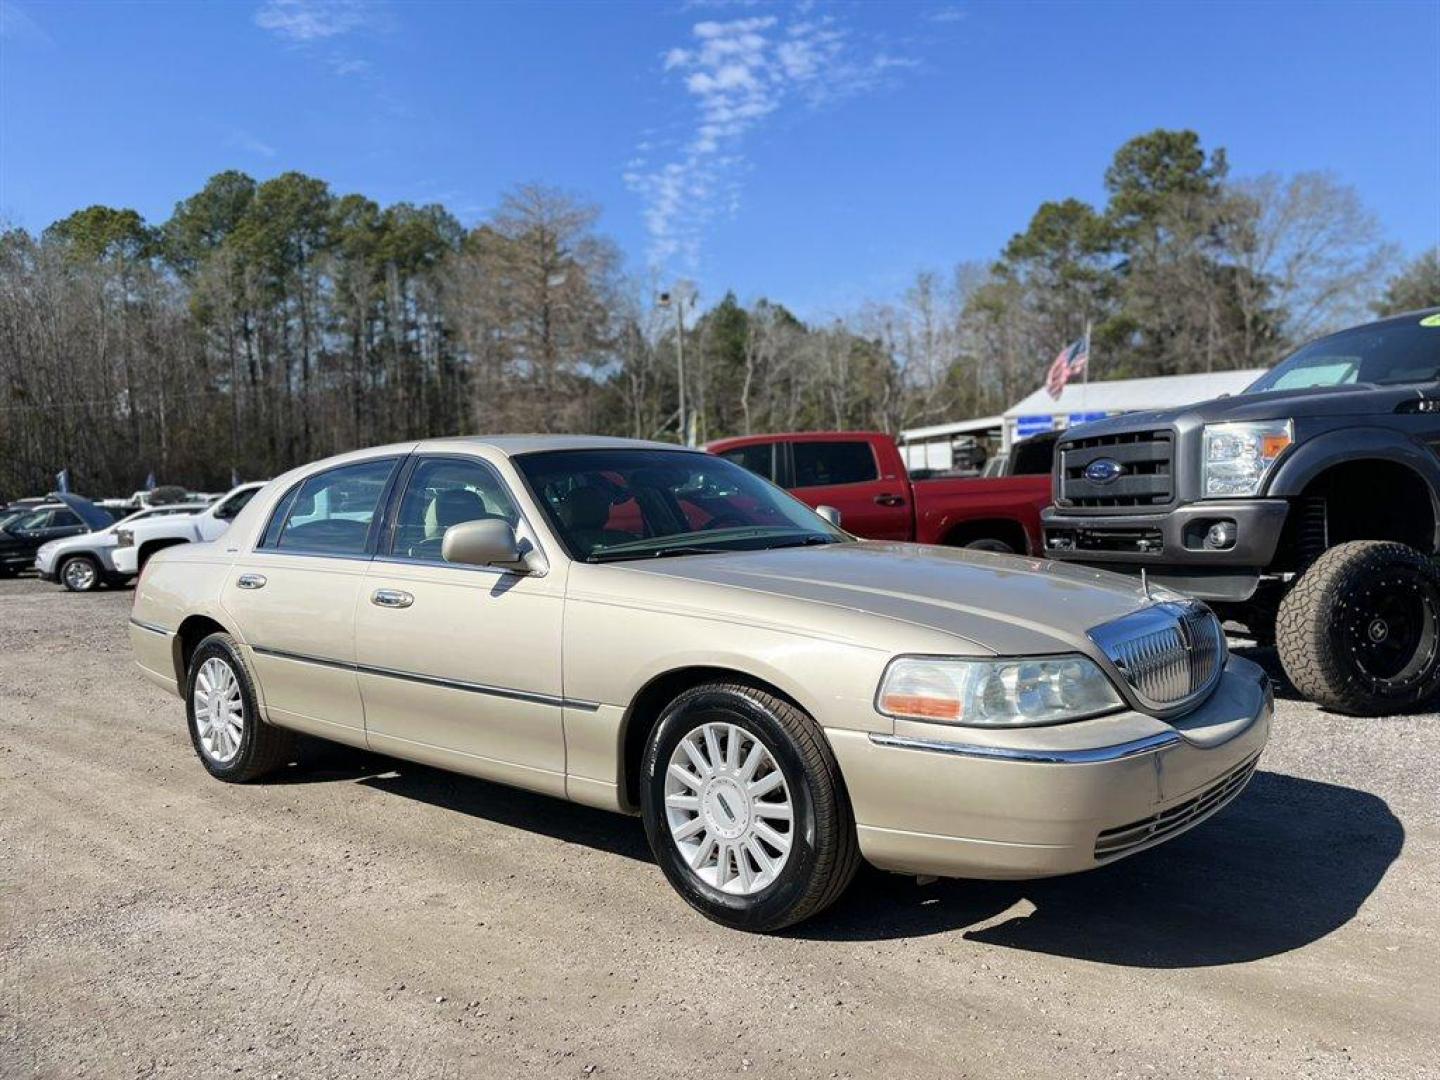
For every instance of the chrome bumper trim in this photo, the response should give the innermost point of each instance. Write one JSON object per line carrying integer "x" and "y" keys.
{"x": 1083, "y": 756}
{"x": 151, "y": 627}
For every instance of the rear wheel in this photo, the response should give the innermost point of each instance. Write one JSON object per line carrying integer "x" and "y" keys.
{"x": 745, "y": 809}
{"x": 80, "y": 573}
{"x": 230, "y": 738}
{"x": 1360, "y": 632}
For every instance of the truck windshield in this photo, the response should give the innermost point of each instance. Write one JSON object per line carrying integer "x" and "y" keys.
{"x": 1383, "y": 354}
{"x": 614, "y": 505}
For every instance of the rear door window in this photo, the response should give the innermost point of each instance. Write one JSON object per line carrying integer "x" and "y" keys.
{"x": 333, "y": 511}
{"x": 759, "y": 458}
{"x": 824, "y": 464}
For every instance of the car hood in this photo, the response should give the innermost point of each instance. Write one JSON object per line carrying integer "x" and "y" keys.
{"x": 1005, "y": 604}
{"x": 93, "y": 516}
{"x": 1349, "y": 401}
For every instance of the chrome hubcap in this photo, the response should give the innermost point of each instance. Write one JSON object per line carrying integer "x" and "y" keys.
{"x": 729, "y": 809}
{"x": 79, "y": 574}
{"x": 219, "y": 710}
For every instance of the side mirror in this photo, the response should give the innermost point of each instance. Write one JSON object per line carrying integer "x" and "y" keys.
{"x": 830, "y": 514}
{"x": 489, "y": 542}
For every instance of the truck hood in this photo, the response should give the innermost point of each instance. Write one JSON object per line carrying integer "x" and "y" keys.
{"x": 1005, "y": 604}
{"x": 1350, "y": 401}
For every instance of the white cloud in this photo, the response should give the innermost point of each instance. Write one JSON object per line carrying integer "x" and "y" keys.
{"x": 736, "y": 74}
{"x": 314, "y": 20}
{"x": 952, "y": 14}
{"x": 16, "y": 24}
{"x": 241, "y": 139}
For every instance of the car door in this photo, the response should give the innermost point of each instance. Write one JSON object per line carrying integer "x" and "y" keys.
{"x": 843, "y": 473}
{"x": 293, "y": 597}
{"x": 460, "y": 665}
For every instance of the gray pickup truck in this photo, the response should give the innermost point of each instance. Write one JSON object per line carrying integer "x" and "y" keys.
{"x": 1305, "y": 508}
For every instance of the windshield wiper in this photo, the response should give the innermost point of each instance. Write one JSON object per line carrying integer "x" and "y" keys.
{"x": 807, "y": 541}
{"x": 658, "y": 553}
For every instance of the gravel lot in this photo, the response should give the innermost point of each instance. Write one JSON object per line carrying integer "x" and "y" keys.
{"x": 368, "y": 918}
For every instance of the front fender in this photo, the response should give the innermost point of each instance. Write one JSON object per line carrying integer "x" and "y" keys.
{"x": 1348, "y": 445}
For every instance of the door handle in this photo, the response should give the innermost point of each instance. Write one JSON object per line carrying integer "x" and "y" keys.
{"x": 391, "y": 598}
{"x": 889, "y": 500}
{"x": 250, "y": 581}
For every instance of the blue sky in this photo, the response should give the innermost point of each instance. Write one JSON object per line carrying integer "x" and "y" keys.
{"x": 817, "y": 153}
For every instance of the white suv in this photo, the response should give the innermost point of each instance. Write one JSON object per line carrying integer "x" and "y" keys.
{"x": 134, "y": 544}
{"x": 83, "y": 563}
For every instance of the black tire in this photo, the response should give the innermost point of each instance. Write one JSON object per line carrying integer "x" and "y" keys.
{"x": 79, "y": 573}
{"x": 824, "y": 852}
{"x": 263, "y": 747}
{"x": 991, "y": 544}
{"x": 1359, "y": 632}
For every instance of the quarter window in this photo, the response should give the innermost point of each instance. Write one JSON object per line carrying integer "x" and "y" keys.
{"x": 821, "y": 464}
{"x": 443, "y": 492}
{"x": 332, "y": 511}
{"x": 230, "y": 509}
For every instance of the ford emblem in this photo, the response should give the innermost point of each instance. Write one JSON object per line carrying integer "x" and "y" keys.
{"x": 1103, "y": 470}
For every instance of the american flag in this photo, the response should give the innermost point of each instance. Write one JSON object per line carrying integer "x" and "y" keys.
{"x": 1067, "y": 365}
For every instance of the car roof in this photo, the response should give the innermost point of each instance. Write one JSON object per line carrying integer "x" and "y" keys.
{"x": 513, "y": 445}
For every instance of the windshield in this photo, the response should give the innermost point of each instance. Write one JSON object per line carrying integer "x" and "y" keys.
{"x": 613, "y": 505}
{"x": 1389, "y": 353}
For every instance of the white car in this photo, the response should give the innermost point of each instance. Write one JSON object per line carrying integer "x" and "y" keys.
{"x": 134, "y": 544}
{"x": 85, "y": 562}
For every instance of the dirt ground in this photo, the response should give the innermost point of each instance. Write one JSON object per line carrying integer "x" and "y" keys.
{"x": 367, "y": 918}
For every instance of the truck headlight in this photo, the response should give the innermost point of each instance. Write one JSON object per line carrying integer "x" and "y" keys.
{"x": 1238, "y": 456}
{"x": 124, "y": 538}
{"x": 995, "y": 693}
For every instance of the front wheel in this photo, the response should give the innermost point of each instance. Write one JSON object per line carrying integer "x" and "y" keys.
{"x": 231, "y": 740}
{"x": 745, "y": 809}
{"x": 1360, "y": 631}
{"x": 991, "y": 544}
{"x": 80, "y": 573}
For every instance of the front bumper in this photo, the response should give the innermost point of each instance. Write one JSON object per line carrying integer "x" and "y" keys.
{"x": 1039, "y": 802}
{"x": 1170, "y": 546}
{"x": 126, "y": 559}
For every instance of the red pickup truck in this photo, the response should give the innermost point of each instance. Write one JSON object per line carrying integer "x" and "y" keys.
{"x": 862, "y": 474}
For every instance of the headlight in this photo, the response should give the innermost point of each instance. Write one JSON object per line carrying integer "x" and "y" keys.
{"x": 995, "y": 693}
{"x": 124, "y": 538}
{"x": 1238, "y": 456}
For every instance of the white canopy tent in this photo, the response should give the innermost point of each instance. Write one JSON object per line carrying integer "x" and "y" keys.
{"x": 933, "y": 447}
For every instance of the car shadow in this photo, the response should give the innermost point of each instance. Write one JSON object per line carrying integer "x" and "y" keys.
{"x": 320, "y": 762}
{"x": 1289, "y": 862}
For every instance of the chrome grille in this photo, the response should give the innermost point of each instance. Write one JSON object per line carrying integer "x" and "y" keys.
{"x": 1171, "y": 654}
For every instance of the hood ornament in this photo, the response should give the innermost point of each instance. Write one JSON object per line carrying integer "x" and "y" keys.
{"x": 1145, "y": 584}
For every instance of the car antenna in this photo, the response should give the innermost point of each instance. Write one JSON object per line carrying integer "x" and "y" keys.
{"x": 1145, "y": 584}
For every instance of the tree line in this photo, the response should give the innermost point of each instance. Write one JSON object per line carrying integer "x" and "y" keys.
{"x": 268, "y": 323}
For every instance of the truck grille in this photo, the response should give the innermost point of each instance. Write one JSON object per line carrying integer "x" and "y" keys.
{"x": 1127, "y": 838}
{"x": 1143, "y": 475}
{"x": 1171, "y": 654}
